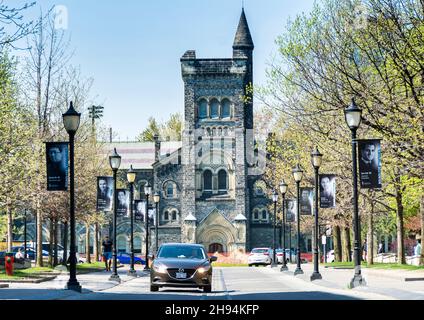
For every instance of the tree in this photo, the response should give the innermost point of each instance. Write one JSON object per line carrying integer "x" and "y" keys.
{"x": 169, "y": 130}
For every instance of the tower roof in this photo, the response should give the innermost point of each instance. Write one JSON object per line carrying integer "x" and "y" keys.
{"x": 243, "y": 39}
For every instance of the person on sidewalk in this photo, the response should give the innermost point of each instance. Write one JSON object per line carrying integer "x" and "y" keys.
{"x": 107, "y": 252}
{"x": 364, "y": 251}
{"x": 380, "y": 248}
{"x": 417, "y": 248}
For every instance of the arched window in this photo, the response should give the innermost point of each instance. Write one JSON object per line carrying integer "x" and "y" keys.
{"x": 264, "y": 215}
{"x": 214, "y": 109}
{"x": 226, "y": 109}
{"x": 174, "y": 215}
{"x": 166, "y": 215}
{"x": 255, "y": 214}
{"x": 203, "y": 109}
{"x": 170, "y": 189}
{"x": 222, "y": 180}
{"x": 207, "y": 180}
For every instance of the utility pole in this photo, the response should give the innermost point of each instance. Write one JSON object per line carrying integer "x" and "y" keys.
{"x": 95, "y": 112}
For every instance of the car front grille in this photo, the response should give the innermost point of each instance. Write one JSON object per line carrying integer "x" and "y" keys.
{"x": 172, "y": 272}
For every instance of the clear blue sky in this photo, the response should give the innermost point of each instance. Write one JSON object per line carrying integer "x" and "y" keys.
{"x": 132, "y": 48}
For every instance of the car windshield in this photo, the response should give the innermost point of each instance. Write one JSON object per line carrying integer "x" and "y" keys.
{"x": 260, "y": 251}
{"x": 181, "y": 252}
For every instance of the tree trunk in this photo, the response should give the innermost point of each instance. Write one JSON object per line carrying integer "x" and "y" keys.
{"x": 55, "y": 242}
{"x": 96, "y": 241}
{"x": 422, "y": 230}
{"x": 9, "y": 228}
{"x": 51, "y": 232}
{"x": 399, "y": 224}
{"x": 337, "y": 244}
{"x": 87, "y": 243}
{"x": 345, "y": 244}
{"x": 39, "y": 227}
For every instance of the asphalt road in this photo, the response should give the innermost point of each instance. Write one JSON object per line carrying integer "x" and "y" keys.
{"x": 235, "y": 283}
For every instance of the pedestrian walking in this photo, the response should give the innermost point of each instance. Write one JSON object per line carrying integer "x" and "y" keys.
{"x": 380, "y": 248}
{"x": 417, "y": 248}
{"x": 364, "y": 251}
{"x": 107, "y": 252}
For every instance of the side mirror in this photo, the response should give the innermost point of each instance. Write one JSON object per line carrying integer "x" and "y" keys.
{"x": 213, "y": 258}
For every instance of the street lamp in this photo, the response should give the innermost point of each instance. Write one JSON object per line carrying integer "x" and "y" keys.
{"x": 131, "y": 175}
{"x": 283, "y": 190}
{"x": 353, "y": 120}
{"x": 25, "y": 233}
{"x": 147, "y": 192}
{"x": 115, "y": 162}
{"x": 316, "y": 158}
{"x": 156, "y": 199}
{"x": 71, "y": 121}
{"x": 274, "y": 199}
{"x": 298, "y": 174}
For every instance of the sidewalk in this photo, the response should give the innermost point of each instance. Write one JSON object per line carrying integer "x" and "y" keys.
{"x": 55, "y": 289}
{"x": 389, "y": 283}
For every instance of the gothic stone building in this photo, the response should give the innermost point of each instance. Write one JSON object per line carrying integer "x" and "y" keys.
{"x": 208, "y": 195}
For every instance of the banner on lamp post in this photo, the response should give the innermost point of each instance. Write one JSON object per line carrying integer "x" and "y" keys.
{"x": 327, "y": 190}
{"x": 306, "y": 200}
{"x": 370, "y": 163}
{"x": 122, "y": 204}
{"x": 57, "y": 166}
{"x": 104, "y": 193}
{"x": 139, "y": 210}
{"x": 290, "y": 208}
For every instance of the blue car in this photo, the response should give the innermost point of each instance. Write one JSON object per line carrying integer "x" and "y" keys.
{"x": 125, "y": 258}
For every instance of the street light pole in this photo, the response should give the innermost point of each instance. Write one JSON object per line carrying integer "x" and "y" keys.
{"x": 274, "y": 199}
{"x": 316, "y": 158}
{"x": 147, "y": 192}
{"x": 131, "y": 175}
{"x": 115, "y": 162}
{"x": 25, "y": 233}
{"x": 353, "y": 120}
{"x": 297, "y": 174}
{"x": 71, "y": 120}
{"x": 156, "y": 199}
{"x": 283, "y": 190}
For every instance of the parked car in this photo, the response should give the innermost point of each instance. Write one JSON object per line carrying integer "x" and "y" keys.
{"x": 125, "y": 258}
{"x": 181, "y": 265}
{"x": 260, "y": 256}
{"x": 279, "y": 255}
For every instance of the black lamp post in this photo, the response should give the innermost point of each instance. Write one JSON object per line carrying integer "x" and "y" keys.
{"x": 156, "y": 199}
{"x": 298, "y": 174}
{"x": 25, "y": 233}
{"x": 131, "y": 175}
{"x": 274, "y": 199}
{"x": 283, "y": 190}
{"x": 115, "y": 162}
{"x": 316, "y": 158}
{"x": 147, "y": 192}
{"x": 353, "y": 120}
{"x": 71, "y": 121}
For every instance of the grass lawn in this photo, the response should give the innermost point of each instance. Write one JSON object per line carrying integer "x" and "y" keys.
{"x": 26, "y": 273}
{"x": 375, "y": 265}
{"x": 90, "y": 267}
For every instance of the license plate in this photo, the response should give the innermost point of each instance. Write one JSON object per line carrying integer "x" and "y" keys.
{"x": 181, "y": 275}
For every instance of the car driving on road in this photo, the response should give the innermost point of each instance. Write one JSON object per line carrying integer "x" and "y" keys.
{"x": 260, "y": 256}
{"x": 182, "y": 265}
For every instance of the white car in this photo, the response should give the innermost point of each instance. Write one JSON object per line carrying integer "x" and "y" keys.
{"x": 330, "y": 256}
{"x": 260, "y": 256}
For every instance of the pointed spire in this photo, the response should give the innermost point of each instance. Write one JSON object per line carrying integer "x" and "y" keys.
{"x": 243, "y": 39}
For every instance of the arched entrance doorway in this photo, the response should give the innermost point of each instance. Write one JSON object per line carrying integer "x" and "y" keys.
{"x": 214, "y": 247}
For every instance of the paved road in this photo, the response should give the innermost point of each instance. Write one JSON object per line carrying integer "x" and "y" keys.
{"x": 235, "y": 283}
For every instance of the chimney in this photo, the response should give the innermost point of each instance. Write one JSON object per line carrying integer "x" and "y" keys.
{"x": 157, "y": 147}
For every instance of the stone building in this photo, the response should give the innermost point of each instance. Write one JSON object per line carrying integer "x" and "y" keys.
{"x": 210, "y": 193}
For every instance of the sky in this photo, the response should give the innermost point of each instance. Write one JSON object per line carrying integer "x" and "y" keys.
{"x": 132, "y": 48}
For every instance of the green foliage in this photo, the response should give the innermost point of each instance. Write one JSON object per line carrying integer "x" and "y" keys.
{"x": 171, "y": 129}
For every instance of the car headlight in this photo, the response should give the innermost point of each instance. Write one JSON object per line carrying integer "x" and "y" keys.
{"x": 203, "y": 269}
{"x": 160, "y": 268}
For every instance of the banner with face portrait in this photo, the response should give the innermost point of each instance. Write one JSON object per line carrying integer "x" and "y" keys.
{"x": 139, "y": 210}
{"x": 370, "y": 163}
{"x": 306, "y": 200}
{"x": 104, "y": 193}
{"x": 327, "y": 190}
{"x": 122, "y": 203}
{"x": 290, "y": 208}
{"x": 57, "y": 166}
{"x": 152, "y": 217}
